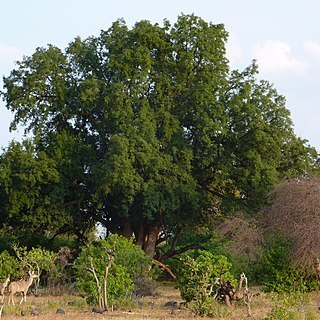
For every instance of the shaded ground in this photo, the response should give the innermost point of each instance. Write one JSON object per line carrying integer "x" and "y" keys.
{"x": 165, "y": 304}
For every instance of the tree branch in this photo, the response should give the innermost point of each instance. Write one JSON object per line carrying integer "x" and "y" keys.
{"x": 164, "y": 268}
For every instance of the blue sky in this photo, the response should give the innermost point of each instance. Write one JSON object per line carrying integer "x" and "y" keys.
{"x": 283, "y": 36}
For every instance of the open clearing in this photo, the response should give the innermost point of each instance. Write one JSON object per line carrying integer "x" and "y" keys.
{"x": 152, "y": 307}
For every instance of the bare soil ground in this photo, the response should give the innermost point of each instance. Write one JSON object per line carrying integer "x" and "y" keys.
{"x": 153, "y": 307}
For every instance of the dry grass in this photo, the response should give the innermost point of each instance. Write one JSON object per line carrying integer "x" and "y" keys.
{"x": 152, "y": 308}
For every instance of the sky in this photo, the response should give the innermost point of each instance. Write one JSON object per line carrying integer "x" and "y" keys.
{"x": 282, "y": 35}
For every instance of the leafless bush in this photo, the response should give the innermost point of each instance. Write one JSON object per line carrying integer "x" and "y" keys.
{"x": 295, "y": 212}
{"x": 245, "y": 235}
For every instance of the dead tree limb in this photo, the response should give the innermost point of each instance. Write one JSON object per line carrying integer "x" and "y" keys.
{"x": 93, "y": 271}
{"x": 164, "y": 268}
{"x": 102, "y": 291}
{"x": 105, "y": 279}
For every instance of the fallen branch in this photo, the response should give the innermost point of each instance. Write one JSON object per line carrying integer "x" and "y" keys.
{"x": 164, "y": 268}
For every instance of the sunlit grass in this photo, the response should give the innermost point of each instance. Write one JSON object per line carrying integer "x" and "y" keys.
{"x": 151, "y": 307}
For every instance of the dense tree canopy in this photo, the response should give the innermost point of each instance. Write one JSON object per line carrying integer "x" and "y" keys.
{"x": 147, "y": 130}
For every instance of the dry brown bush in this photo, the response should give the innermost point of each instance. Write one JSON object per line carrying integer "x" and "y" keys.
{"x": 245, "y": 234}
{"x": 295, "y": 213}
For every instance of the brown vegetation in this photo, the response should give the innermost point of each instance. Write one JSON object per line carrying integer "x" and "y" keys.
{"x": 245, "y": 233}
{"x": 295, "y": 212}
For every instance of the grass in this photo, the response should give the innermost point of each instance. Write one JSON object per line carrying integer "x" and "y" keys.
{"x": 154, "y": 307}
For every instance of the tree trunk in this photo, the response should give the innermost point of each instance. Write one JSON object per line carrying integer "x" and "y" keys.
{"x": 126, "y": 229}
{"x": 146, "y": 235}
{"x": 139, "y": 235}
{"x": 151, "y": 237}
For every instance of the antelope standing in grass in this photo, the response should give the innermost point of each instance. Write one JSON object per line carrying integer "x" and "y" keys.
{"x": 3, "y": 287}
{"x": 21, "y": 286}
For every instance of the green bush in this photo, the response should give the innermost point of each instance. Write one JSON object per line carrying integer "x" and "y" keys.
{"x": 277, "y": 274}
{"x": 209, "y": 308}
{"x": 287, "y": 307}
{"x": 292, "y": 306}
{"x": 9, "y": 265}
{"x": 36, "y": 259}
{"x": 184, "y": 239}
{"x": 130, "y": 262}
{"x": 197, "y": 274}
{"x": 216, "y": 245}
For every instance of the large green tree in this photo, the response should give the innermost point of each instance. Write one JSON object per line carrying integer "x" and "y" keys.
{"x": 26, "y": 179}
{"x": 149, "y": 129}
{"x": 34, "y": 197}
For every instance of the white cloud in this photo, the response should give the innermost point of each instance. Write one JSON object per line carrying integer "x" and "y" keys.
{"x": 9, "y": 54}
{"x": 312, "y": 48}
{"x": 276, "y": 57}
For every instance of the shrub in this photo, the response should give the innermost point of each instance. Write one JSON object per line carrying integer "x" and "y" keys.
{"x": 37, "y": 259}
{"x": 287, "y": 306}
{"x": 196, "y": 276}
{"x": 129, "y": 263}
{"x": 9, "y": 265}
{"x": 209, "y": 308}
{"x": 277, "y": 274}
